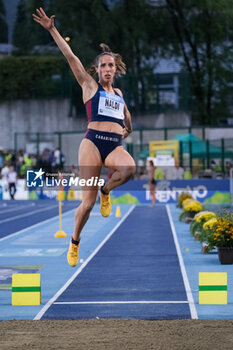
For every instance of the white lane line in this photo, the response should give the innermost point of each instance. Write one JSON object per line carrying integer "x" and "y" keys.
{"x": 17, "y": 208}
{"x": 77, "y": 272}
{"x": 192, "y": 307}
{"x": 121, "y": 302}
{"x": 12, "y": 218}
{"x": 35, "y": 225}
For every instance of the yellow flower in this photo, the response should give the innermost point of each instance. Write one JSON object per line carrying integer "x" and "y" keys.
{"x": 220, "y": 229}
{"x": 192, "y": 205}
{"x": 204, "y": 216}
{"x": 208, "y": 225}
{"x": 186, "y": 201}
{"x": 183, "y": 196}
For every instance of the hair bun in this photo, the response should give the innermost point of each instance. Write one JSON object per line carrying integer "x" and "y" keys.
{"x": 120, "y": 65}
{"x": 105, "y": 48}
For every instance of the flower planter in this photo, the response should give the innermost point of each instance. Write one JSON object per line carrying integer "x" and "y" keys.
{"x": 192, "y": 214}
{"x": 197, "y": 236}
{"x": 188, "y": 220}
{"x": 225, "y": 255}
{"x": 204, "y": 248}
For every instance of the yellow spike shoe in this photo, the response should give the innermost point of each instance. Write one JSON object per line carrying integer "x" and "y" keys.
{"x": 72, "y": 255}
{"x": 105, "y": 204}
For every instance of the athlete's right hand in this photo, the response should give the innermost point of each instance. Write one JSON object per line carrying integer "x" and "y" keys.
{"x": 43, "y": 19}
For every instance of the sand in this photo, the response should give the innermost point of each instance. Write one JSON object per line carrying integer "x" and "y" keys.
{"x": 117, "y": 334}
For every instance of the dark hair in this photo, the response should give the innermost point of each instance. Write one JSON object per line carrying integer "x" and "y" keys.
{"x": 120, "y": 65}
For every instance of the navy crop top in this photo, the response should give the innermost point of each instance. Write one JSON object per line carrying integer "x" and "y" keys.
{"x": 105, "y": 106}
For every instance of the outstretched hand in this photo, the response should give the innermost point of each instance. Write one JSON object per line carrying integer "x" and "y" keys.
{"x": 43, "y": 19}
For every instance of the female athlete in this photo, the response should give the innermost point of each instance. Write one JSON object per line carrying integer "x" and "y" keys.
{"x": 109, "y": 121}
{"x": 152, "y": 181}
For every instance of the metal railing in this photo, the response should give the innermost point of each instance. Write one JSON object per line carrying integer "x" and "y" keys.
{"x": 137, "y": 145}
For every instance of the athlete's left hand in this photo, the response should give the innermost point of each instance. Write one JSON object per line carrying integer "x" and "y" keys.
{"x": 125, "y": 134}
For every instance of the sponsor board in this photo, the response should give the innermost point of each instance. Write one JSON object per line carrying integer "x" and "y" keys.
{"x": 137, "y": 191}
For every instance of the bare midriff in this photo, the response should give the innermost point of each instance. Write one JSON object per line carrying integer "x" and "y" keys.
{"x": 106, "y": 126}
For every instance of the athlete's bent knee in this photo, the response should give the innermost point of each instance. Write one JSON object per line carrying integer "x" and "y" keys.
{"x": 128, "y": 171}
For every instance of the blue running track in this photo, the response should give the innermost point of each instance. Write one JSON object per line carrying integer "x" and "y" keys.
{"x": 17, "y": 215}
{"x": 136, "y": 274}
{"x": 144, "y": 265}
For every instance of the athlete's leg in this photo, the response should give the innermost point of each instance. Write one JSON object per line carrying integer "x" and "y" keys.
{"x": 90, "y": 164}
{"x": 123, "y": 166}
{"x": 152, "y": 192}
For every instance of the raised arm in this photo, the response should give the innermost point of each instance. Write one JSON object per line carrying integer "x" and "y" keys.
{"x": 83, "y": 78}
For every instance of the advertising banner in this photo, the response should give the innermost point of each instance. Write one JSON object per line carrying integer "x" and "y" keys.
{"x": 138, "y": 192}
{"x": 206, "y": 190}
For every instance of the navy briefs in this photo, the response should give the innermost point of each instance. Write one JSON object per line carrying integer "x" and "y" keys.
{"x": 106, "y": 142}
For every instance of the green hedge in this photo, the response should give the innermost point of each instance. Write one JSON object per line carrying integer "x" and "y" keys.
{"x": 33, "y": 77}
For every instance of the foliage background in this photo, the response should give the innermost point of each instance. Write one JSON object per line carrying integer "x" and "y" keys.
{"x": 196, "y": 33}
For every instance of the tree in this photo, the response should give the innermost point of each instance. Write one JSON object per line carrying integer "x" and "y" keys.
{"x": 3, "y": 24}
{"x": 26, "y": 33}
{"x": 197, "y": 32}
{"x": 82, "y": 22}
{"x": 203, "y": 29}
{"x": 126, "y": 26}
{"x": 133, "y": 33}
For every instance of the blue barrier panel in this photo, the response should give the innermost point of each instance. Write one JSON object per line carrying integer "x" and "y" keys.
{"x": 167, "y": 191}
{"x": 0, "y": 192}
